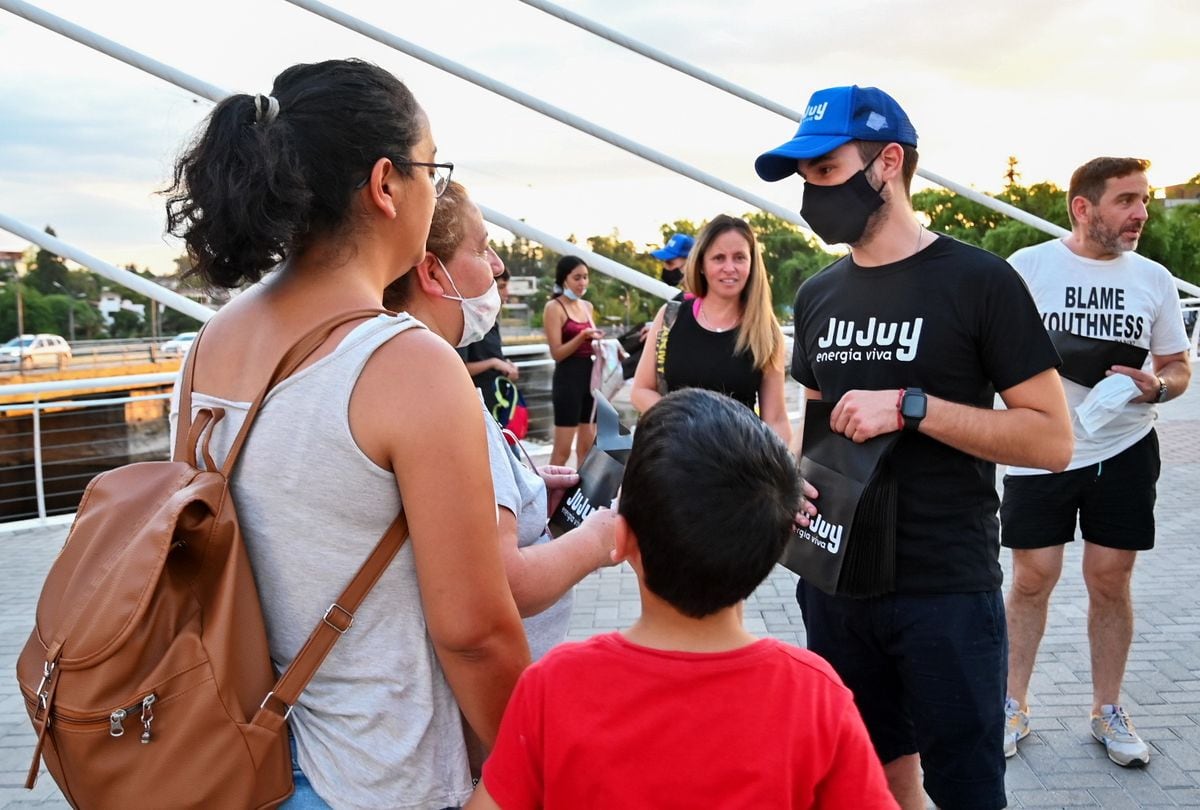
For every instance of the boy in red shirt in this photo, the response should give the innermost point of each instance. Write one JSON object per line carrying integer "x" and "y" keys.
{"x": 685, "y": 708}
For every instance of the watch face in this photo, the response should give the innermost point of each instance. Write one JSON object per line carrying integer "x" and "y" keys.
{"x": 913, "y": 405}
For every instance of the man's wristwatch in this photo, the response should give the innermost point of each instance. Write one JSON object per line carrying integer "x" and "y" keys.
{"x": 912, "y": 407}
{"x": 1162, "y": 390}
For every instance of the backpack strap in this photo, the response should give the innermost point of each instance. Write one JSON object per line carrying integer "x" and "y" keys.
{"x": 292, "y": 359}
{"x": 277, "y": 705}
{"x": 670, "y": 315}
{"x": 184, "y": 414}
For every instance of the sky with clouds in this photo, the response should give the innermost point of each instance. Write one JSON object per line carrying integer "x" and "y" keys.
{"x": 85, "y": 141}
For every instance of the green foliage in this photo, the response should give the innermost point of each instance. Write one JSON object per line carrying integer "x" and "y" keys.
{"x": 125, "y": 324}
{"x": 174, "y": 322}
{"x": 1171, "y": 236}
{"x": 678, "y": 226}
{"x": 790, "y": 256}
{"x": 48, "y": 274}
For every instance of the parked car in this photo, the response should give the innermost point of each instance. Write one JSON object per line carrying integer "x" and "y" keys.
{"x": 178, "y": 345}
{"x": 29, "y": 351}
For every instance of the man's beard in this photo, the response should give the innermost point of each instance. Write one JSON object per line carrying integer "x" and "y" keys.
{"x": 876, "y": 219}
{"x": 1109, "y": 239}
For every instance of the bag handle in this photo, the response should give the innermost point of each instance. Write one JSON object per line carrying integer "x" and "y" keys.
{"x": 660, "y": 345}
{"x": 339, "y": 616}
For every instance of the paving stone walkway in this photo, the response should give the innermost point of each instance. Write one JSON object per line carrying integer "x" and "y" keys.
{"x": 1059, "y": 765}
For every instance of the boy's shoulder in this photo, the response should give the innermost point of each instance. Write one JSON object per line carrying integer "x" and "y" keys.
{"x": 612, "y": 648}
{"x": 809, "y": 665}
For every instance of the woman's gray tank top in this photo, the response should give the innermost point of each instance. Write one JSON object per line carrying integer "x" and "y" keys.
{"x": 378, "y": 725}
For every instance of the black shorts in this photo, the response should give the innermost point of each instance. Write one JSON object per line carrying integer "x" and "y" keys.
{"x": 572, "y": 393}
{"x": 928, "y": 675}
{"x": 1114, "y": 502}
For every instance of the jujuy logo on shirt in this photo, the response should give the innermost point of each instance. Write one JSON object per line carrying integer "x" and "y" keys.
{"x": 846, "y": 341}
{"x": 1097, "y": 312}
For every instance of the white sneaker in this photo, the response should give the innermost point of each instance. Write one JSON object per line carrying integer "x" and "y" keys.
{"x": 1016, "y": 726}
{"x": 1114, "y": 728}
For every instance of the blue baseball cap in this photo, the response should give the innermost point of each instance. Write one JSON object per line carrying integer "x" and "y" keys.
{"x": 677, "y": 247}
{"x": 836, "y": 116}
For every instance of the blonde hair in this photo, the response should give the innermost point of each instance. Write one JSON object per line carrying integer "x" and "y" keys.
{"x": 758, "y": 330}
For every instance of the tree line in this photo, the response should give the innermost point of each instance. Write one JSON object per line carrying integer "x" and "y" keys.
{"x": 1171, "y": 237}
{"x": 54, "y": 294}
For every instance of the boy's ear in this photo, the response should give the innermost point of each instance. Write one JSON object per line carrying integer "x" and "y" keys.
{"x": 625, "y": 545}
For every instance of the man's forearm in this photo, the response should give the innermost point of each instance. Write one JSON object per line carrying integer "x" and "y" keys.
{"x": 1021, "y": 436}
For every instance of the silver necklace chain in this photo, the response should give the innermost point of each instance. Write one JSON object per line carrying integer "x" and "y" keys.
{"x": 713, "y": 326}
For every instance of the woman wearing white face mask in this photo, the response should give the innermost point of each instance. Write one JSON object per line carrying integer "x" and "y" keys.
{"x": 570, "y": 330}
{"x": 453, "y": 292}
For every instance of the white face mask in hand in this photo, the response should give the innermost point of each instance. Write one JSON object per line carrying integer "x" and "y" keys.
{"x": 1106, "y": 399}
{"x": 479, "y": 313}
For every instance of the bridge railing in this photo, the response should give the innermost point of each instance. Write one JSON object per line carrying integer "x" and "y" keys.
{"x": 56, "y": 436}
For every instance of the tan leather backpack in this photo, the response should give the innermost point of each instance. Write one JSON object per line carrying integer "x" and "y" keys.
{"x": 147, "y": 675}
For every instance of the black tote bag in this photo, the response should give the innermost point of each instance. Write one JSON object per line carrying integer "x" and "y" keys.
{"x": 600, "y": 474}
{"x": 849, "y": 548}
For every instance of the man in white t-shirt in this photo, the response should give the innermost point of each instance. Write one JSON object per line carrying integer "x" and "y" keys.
{"x": 1092, "y": 284}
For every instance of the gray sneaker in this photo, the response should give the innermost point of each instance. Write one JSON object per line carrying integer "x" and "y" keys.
{"x": 1114, "y": 728}
{"x": 1016, "y": 726}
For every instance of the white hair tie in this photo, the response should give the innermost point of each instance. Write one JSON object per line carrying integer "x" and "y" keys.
{"x": 266, "y": 109}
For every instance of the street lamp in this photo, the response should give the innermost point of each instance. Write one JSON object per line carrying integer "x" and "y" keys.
{"x": 16, "y": 279}
{"x": 70, "y": 308}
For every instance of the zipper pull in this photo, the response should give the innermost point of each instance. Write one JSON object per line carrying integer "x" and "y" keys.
{"x": 147, "y": 716}
{"x": 116, "y": 722}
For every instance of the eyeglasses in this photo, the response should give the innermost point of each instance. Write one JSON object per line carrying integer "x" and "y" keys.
{"x": 439, "y": 176}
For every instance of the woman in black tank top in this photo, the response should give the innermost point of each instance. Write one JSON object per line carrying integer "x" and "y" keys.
{"x": 724, "y": 337}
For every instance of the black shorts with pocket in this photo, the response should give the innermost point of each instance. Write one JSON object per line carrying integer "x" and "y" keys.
{"x": 928, "y": 674}
{"x": 1113, "y": 500}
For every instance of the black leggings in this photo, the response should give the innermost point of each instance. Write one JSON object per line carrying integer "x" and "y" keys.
{"x": 571, "y": 394}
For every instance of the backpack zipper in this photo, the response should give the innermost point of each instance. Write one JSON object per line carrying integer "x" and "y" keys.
{"x": 116, "y": 720}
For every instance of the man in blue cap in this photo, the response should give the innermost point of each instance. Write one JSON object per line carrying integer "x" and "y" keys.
{"x": 674, "y": 255}
{"x": 915, "y": 332}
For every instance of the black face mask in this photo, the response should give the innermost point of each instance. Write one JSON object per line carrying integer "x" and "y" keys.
{"x": 672, "y": 277}
{"x": 839, "y": 214}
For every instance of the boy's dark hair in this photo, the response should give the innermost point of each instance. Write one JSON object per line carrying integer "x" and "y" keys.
{"x": 246, "y": 196}
{"x": 710, "y": 492}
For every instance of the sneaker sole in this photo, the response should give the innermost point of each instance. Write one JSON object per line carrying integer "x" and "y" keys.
{"x": 1010, "y": 754}
{"x": 1133, "y": 762}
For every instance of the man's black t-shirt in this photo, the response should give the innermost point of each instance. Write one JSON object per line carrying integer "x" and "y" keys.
{"x": 958, "y": 323}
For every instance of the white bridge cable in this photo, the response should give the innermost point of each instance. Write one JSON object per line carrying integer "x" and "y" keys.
{"x": 133, "y": 281}
{"x": 595, "y": 261}
{"x": 549, "y": 110}
{"x": 95, "y": 41}
{"x": 214, "y": 93}
{"x": 709, "y": 78}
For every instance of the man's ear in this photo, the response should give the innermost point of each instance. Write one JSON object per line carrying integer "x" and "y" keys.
{"x": 625, "y": 544}
{"x": 890, "y": 161}
{"x": 1081, "y": 208}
